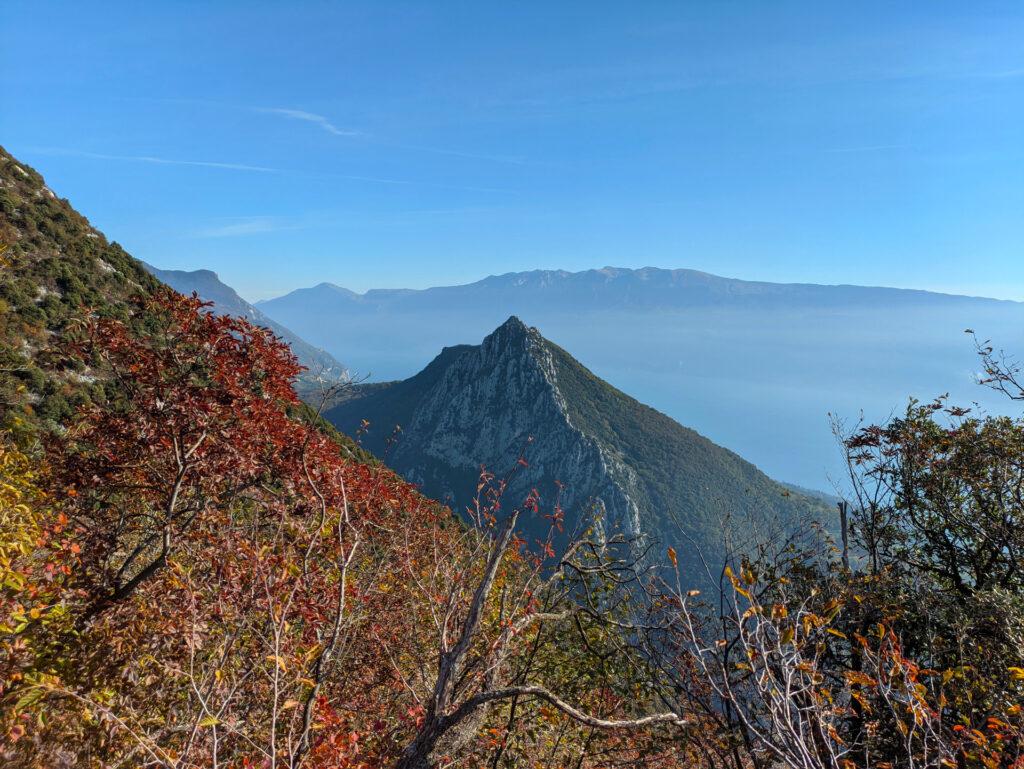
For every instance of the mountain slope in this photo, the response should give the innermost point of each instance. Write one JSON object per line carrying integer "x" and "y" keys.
{"x": 759, "y": 366}
{"x": 226, "y": 301}
{"x": 651, "y": 477}
{"x": 55, "y": 268}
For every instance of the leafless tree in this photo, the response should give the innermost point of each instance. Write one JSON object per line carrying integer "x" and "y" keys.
{"x": 480, "y": 628}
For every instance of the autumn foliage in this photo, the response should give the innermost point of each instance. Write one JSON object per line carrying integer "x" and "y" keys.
{"x": 193, "y": 573}
{"x": 217, "y": 564}
{"x": 196, "y": 575}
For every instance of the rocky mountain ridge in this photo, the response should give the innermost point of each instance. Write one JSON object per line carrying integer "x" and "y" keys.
{"x": 484, "y": 410}
{"x": 480, "y": 405}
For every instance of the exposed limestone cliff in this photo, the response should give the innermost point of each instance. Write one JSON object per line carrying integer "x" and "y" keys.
{"x": 484, "y": 409}
{"x": 619, "y": 464}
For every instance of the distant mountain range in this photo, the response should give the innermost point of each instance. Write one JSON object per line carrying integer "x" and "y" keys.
{"x": 756, "y": 366}
{"x": 610, "y": 288}
{"x": 646, "y": 475}
{"x": 319, "y": 364}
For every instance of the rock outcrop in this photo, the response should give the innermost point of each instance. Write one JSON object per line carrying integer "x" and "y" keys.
{"x": 614, "y": 462}
{"x": 486, "y": 408}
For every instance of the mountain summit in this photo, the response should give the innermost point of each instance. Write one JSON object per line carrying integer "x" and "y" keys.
{"x": 639, "y": 471}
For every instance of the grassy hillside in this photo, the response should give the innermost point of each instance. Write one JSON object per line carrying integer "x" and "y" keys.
{"x": 56, "y": 269}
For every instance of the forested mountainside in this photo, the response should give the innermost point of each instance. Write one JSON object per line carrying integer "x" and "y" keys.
{"x": 321, "y": 367}
{"x": 602, "y": 452}
{"x": 196, "y": 572}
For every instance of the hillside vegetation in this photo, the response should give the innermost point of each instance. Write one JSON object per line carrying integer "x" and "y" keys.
{"x": 195, "y": 572}
{"x": 56, "y": 270}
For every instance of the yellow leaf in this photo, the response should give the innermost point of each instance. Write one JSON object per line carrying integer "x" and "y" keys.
{"x": 787, "y": 636}
{"x": 289, "y": 704}
{"x": 672, "y": 557}
{"x": 210, "y": 721}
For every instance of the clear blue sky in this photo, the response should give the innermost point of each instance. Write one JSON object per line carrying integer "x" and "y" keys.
{"x": 413, "y": 144}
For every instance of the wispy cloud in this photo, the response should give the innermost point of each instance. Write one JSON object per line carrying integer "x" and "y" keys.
{"x": 243, "y": 226}
{"x": 323, "y": 122}
{"x": 152, "y": 159}
{"x": 309, "y": 117}
{"x": 866, "y": 148}
{"x": 253, "y": 225}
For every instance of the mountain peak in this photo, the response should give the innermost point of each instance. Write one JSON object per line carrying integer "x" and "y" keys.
{"x": 607, "y": 457}
{"x": 514, "y": 326}
{"x": 200, "y": 274}
{"x": 512, "y": 335}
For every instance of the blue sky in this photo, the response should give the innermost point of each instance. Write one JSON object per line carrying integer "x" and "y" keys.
{"x": 387, "y": 144}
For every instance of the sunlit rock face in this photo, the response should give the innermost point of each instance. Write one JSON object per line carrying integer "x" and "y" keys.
{"x": 484, "y": 410}
{"x": 611, "y": 462}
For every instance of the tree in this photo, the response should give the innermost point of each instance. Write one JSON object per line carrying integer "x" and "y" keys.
{"x": 905, "y": 652}
{"x": 945, "y": 495}
{"x": 218, "y": 535}
{"x": 491, "y": 600}
{"x": 37, "y": 559}
{"x": 194, "y": 418}
{"x": 794, "y": 683}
